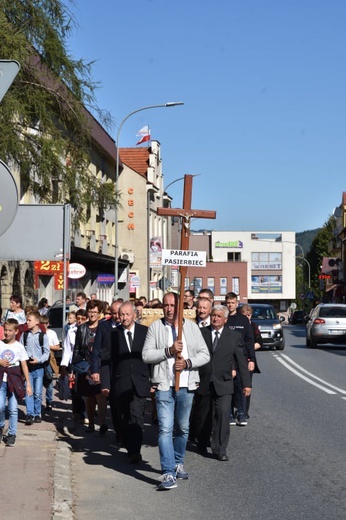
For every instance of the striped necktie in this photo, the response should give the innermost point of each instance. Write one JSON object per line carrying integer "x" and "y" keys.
{"x": 216, "y": 339}
{"x": 129, "y": 335}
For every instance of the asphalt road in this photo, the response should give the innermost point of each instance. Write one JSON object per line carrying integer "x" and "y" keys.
{"x": 288, "y": 463}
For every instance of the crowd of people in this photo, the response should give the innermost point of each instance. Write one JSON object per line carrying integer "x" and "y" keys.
{"x": 198, "y": 374}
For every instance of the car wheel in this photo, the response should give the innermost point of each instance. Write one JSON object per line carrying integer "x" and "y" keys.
{"x": 308, "y": 344}
{"x": 281, "y": 346}
{"x": 313, "y": 343}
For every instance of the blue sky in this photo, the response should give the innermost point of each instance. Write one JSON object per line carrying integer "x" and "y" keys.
{"x": 264, "y": 87}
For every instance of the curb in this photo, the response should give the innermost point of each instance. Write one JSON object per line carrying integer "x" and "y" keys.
{"x": 62, "y": 508}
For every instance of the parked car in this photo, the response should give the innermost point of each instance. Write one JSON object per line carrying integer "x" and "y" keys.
{"x": 55, "y": 318}
{"x": 296, "y": 317}
{"x": 270, "y": 325}
{"x": 326, "y": 324}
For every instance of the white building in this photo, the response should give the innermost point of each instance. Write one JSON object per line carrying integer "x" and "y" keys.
{"x": 270, "y": 258}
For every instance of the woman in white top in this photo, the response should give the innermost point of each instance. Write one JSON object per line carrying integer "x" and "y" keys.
{"x": 15, "y": 311}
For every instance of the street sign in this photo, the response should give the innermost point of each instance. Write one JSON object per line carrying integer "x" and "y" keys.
{"x": 8, "y": 71}
{"x": 8, "y": 198}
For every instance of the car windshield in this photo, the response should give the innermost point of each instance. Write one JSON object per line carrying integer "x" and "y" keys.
{"x": 55, "y": 318}
{"x": 263, "y": 313}
{"x": 333, "y": 312}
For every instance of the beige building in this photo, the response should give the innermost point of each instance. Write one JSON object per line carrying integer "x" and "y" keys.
{"x": 92, "y": 244}
{"x": 142, "y": 232}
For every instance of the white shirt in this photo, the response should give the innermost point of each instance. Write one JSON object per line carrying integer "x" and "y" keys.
{"x": 184, "y": 374}
{"x": 14, "y": 353}
{"x": 132, "y": 330}
{"x": 52, "y": 338}
{"x": 69, "y": 342}
{"x": 204, "y": 323}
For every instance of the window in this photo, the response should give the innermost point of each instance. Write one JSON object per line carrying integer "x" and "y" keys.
{"x": 233, "y": 257}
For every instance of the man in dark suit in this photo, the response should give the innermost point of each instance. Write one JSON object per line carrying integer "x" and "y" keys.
{"x": 237, "y": 321}
{"x": 100, "y": 357}
{"x": 213, "y": 397}
{"x": 127, "y": 379}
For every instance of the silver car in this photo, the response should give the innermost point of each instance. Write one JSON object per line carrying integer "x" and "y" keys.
{"x": 326, "y": 324}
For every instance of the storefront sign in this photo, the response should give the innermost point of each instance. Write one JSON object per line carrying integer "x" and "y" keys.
{"x": 230, "y": 245}
{"x": 107, "y": 279}
{"x": 48, "y": 267}
{"x": 76, "y": 271}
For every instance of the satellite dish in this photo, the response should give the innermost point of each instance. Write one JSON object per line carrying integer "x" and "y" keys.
{"x": 8, "y": 198}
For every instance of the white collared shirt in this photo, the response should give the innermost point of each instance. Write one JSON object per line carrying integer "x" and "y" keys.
{"x": 132, "y": 330}
{"x": 184, "y": 374}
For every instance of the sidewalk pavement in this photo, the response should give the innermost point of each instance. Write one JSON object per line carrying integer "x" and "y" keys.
{"x": 36, "y": 472}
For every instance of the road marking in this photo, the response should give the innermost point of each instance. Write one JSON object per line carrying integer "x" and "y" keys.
{"x": 330, "y": 392}
{"x": 312, "y": 375}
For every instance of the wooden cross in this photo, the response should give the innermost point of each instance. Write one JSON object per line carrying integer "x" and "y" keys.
{"x": 186, "y": 214}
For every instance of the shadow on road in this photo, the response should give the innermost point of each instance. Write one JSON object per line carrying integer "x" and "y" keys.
{"x": 102, "y": 450}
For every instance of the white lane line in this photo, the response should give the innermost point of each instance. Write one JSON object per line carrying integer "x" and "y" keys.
{"x": 312, "y": 375}
{"x": 303, "y": 377}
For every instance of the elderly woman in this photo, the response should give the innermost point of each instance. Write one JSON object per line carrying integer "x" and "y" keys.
{"x": 82, "y": 351}
{"x": 15, "y": 311}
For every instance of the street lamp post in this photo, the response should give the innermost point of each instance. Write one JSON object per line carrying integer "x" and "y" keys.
{"x": 309, "y": 267}
{"x": 164, "y": 105}
{"x": 305, "y": 260}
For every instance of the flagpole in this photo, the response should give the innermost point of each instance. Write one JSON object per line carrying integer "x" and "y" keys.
{"x": 117, "y": 169}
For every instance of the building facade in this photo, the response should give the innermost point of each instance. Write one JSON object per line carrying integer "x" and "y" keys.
{"x": 258, "y": 266}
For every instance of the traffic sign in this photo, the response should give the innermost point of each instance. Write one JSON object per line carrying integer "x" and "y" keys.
{"x": 8, "y": 198}
{"x": 8, "y": 71}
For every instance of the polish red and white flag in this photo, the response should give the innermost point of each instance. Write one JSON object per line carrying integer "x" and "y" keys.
{"x": 144, "y": 134}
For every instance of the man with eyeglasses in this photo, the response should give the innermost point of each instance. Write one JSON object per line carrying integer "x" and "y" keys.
{"x": 189, "y": 299}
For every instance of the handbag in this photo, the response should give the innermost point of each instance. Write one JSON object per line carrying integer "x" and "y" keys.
{"x": 47, "y": 376}
{"x": 64, "y": 389}
{"x": 81, "y": 367}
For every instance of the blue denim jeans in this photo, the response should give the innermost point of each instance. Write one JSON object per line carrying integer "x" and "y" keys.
{"x": 173, "y": 413}
{"x": 12, "y": 409}
{"x": 34, "y": 402}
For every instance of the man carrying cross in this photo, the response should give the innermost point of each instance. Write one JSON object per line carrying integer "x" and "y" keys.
{"x": 176, "y": 349}
{"x": 169, "y": 356}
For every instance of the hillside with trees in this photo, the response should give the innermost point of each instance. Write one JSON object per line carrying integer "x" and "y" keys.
{"x": 305, "y": 238}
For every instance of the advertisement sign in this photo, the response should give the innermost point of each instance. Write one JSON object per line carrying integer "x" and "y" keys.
{"x": 155, "y": 251}
{"x": 266, "y": 284}
{"x": 106, "y": 279}
{"x": 76, "y": 271}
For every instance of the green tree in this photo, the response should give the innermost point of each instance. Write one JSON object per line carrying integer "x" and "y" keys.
{"x": 318, "y": 250}
{"x": 45, "y": 130}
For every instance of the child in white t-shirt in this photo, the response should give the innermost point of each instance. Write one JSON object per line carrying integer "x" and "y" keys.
{"x": 13, "y": 366}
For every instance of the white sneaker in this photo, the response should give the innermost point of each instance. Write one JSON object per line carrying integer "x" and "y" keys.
{"x": 168, "y": 482}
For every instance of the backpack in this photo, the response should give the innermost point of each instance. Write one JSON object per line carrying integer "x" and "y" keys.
{"x": 40, "y": 339}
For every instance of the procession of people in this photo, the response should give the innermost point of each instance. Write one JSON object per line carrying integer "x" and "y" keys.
{"x": 196, "y": 374}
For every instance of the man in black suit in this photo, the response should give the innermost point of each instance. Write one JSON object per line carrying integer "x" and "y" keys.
{"x": 127, "y": 379}
{"x": 213, "y": 397}
{"x": 237, "y": 322}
